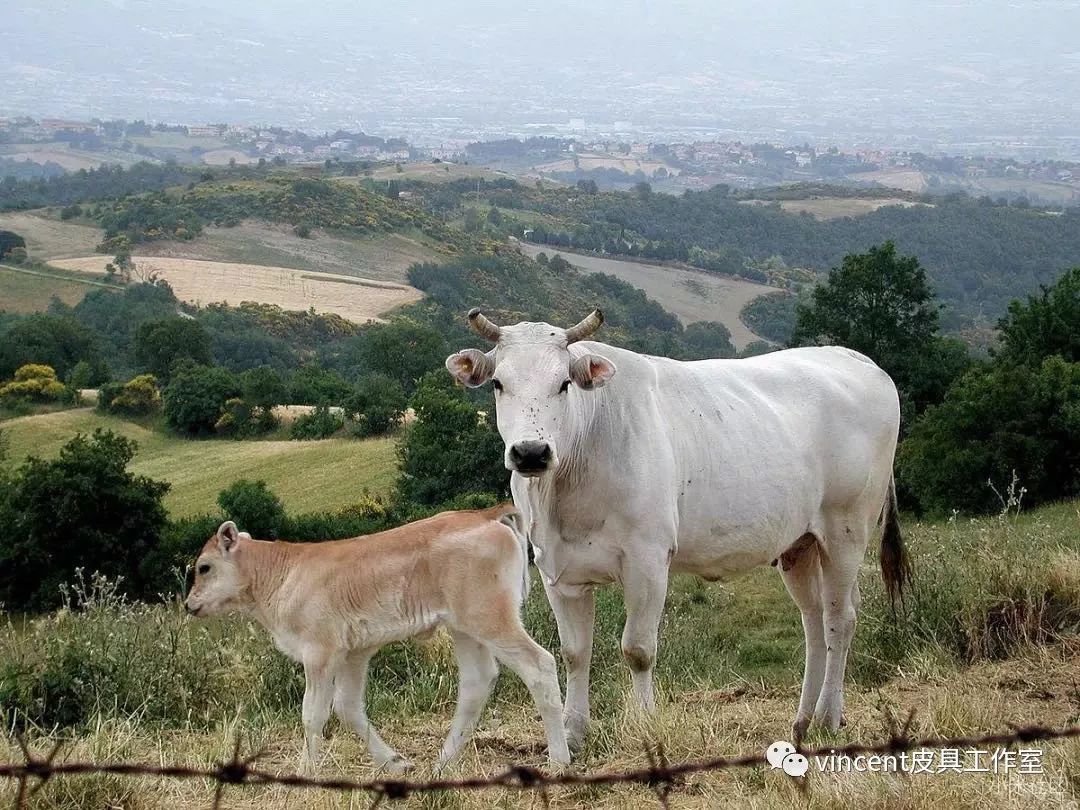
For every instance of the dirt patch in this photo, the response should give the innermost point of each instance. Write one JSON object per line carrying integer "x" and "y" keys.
{"x": 205, "y": 282}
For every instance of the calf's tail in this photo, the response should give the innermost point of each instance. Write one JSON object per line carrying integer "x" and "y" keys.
{"x": 514, "y": 521}
{"x": 895, "y": 564}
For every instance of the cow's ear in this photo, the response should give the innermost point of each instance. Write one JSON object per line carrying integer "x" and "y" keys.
{"x": 471, "y": 367}
{"x": 591, "y": 371}
{"x": 227, "y": 536}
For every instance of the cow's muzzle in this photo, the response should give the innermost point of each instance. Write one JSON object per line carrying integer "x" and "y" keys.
{"x": 530, "y": 457}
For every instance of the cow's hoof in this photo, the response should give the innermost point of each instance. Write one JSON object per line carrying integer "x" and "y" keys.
{"x": 799, "y": 729}
{"x": 397, "y": 765}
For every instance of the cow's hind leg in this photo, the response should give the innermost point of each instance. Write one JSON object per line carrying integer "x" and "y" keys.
{"x": 350, "y": 688}
{"x": 846, "y": 539}
{"x": 477, "y": 671}
{"x": 801, "y": 570}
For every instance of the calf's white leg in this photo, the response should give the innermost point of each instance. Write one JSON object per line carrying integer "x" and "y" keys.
{"x": 477, "y": 671}
{"x": 319, "y": 672}
{"x": 536, "y": 667}
{"x": 350, "y": 704}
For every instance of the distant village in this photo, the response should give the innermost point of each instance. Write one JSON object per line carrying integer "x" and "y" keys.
{"x": 667, "y": 166}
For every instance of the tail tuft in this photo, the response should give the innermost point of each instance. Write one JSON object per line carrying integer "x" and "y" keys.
{"x": 895, "y": 564}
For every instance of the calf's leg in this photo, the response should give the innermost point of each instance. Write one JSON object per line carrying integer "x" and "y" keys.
{"x": 350, "y": 704}
{"x": 477, "y": 671}
{"x": 320, "y": 668}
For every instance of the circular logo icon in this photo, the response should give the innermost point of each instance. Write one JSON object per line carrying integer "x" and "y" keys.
{"x": 776, "y": 752}
{"x": 795, "y": 765}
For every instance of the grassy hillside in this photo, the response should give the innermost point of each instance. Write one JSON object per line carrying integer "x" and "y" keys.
{"x": 30, "y": 289}
{"x": 172, "y": 689}
{"x": 308, "y": 476}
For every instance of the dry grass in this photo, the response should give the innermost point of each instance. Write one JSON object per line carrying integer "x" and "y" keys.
{"x": 24, "y": 289}
{"x": 689, "y": 294}
{"x": 690, "y": 725}
{"x": 49, "y": 238}
{"x": 383, "y": 256}
{"x": 206, "y": 282}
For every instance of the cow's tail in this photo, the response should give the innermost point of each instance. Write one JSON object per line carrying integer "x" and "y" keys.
{"x": 895, "y": 565}
{"x": 516, "y": 523}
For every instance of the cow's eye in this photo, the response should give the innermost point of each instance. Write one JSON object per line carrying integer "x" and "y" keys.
{"x": 564, "y": 387}
{"x": 204, "y": 568}
{"x": 496, "y": 385}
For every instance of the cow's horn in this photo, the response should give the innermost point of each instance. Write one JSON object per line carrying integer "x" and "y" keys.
{"x": 482, "y": 326}
{"x": 588, "y": 325}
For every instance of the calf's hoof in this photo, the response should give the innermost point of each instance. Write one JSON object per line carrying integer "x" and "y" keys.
{"x": 397, "y": 765}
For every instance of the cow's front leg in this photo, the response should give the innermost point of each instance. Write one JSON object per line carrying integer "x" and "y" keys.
{"x": 644, "y": 581}
{"x": 575, "y": 614}
{"x": 320, "y": 669}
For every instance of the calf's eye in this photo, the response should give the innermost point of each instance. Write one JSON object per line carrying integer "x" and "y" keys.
{"x": 564, "y": 387}
{"x": 496, "y": 385}
{"x": 204, "y": 568}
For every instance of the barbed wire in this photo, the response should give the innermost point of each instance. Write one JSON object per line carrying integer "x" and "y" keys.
{"x": 661, "y": 776}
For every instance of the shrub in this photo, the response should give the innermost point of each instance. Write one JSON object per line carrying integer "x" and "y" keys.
{"x": 35, "y": 383}
{"x": 160, "y": 344}
{"x": 139, "y": 396}
{"x": 376, "y": 405}
{"x": 321, "y": 423}
{"x": 81, "y": 510}
{"x": 254, "y": 508}
{"x": 194, "y": 399}
{"x": 451, "y": 449}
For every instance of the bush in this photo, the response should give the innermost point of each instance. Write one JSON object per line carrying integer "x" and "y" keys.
{"x": 994, "y": 423}
{"x": 321, "y": 423}
{"x": 254, "y": 508}
{"x": 451, "y": 449}
{"x": 36, "y": 383}
{"x": 139, "y": 396}
{"x": 194, "y": 399}
{"x": 377, "y": 405}
{"x": 160, "y": 344}
{"x": 83, "y": 510}
{"x": 242, "y": 420}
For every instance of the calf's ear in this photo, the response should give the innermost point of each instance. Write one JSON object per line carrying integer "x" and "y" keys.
{"x": 471, "y": 367}
{"x": 591, "y": 371}
{"x": 227, "y": 536}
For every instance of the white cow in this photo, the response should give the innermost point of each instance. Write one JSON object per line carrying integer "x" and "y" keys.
{"x": 708, "y": 467}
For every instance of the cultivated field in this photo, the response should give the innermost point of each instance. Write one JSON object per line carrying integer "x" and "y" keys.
{"x": 206, "y": 282}
{"x": 430, "y": 172}
{"x": 308, "y": 475}
{"x": 903, "y": 179}
{"x": 50, "y": 238}
{"x": 586, "y": 162}
{"x": 826, "y": 208}
{"x": 383, "y": 257}
{"x": 975, "y": 649}
{"x": 689, "y": 294}
{"x": 25, "y": 289}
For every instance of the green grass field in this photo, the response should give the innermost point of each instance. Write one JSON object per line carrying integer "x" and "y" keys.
{"x": 30, "y": 289}
{"x": 308, "y": 476}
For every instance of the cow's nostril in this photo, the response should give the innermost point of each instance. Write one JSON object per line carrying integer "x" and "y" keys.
{"x": 530, "y": 456}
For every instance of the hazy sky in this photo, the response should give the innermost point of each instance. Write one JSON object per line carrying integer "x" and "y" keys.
{"x": 908, "y": 69}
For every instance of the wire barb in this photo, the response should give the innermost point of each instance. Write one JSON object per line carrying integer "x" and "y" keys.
{"x": 660, "y": 776}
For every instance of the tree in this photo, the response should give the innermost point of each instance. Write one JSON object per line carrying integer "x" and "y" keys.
{"x": 402, "y": 350}
{"x": 10, "y": 240}
{"x": 254, "y": 508}
{"x": 195, "y": 396}
{"x": 1045, "y": 325}
{"x": 474, "y": 220}
{"x": 451, "y": 449}
{"x": 59, "y": 341}
{"x": 707, "y": 339}
{"x": 159, "y": 344}
{"x": 996, "y": 422}
{"x": 262, "y": 387}
{"x": 882, "y": 305}
{"x": 83, "y": 510}
{"x": 376, "y": 405}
